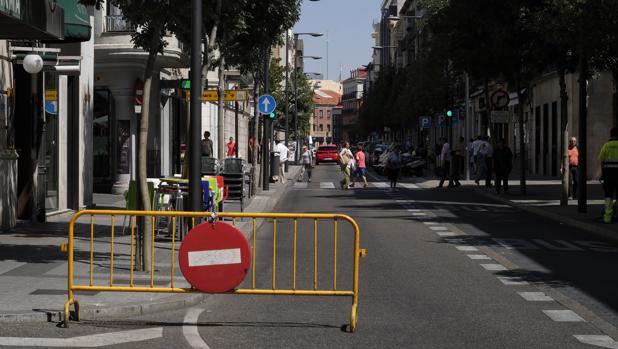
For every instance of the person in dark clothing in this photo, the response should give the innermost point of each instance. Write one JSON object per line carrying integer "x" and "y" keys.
{"x": 503, "y": 164}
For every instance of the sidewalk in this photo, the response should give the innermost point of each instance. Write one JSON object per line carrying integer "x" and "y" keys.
{"x": 543, "y": 198}
{"x": 33, "y": 270}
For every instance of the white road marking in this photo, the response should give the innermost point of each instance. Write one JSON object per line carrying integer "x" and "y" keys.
{"x": 446, "y": 233}
{"x": 327, "y": 185}
{"x": 518, "y": 244}
{"x": 466, "y": 248}
{"x": 512, "y": 280}
{"x": 430, "y": 223}
{"x": 535, "y": 296}
{"x": 410, "y": 186}
{"x": 9, "y": 265}
{"x": 494, "y": 267}
{"x": 460, "y": 203}
{"x": 401, "y": 201}
{"x": 301, "y": 185}
{"x": 414, "y": 210}
{"x": 597, "y": 340}
{"x": 189, "y": 329}
{"x": 90, "y": 341}
{"x": 214, "y": 257}
{"x": 438, "y": 228}
{"x": 419, "y": 214}
{"x": 479, "y": 257}
{"x": 380, "y": 185}
{"x": 563, "y": 316}
{"x": 558, "y": 245}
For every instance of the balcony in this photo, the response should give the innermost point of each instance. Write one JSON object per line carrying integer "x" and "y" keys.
{"x": 117, "y": 24}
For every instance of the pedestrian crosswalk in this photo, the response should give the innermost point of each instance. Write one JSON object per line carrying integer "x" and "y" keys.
{"x": 333, "y": 185}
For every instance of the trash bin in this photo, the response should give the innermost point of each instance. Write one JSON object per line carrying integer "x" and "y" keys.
{"x": 274, "y": 166}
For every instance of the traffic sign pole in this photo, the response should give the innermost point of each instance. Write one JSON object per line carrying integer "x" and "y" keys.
{"x": 266, "y": 132}
{"x": 195, "y": 171}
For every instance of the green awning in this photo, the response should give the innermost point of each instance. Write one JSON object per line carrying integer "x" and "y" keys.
{"x": 76, "y": 21}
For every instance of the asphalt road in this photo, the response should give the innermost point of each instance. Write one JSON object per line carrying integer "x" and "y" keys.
{"x": 444, "y": 269}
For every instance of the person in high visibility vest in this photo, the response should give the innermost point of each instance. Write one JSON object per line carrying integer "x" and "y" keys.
{"x": 609, "y": 166}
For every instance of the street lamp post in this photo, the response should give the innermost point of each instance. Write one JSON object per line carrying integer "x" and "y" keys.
{"x": 195, "y": 175}
{"x": 296, "y": 35}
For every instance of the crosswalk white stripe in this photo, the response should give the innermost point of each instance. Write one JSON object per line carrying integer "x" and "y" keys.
{"x": 598, "y": 340}
{"x": 380, "y": 185}
{"x": 301, "y": 185}
{"x": 327, "y": 185}
{"x": 410, "y": 186}
{"x": 563, "y": 315}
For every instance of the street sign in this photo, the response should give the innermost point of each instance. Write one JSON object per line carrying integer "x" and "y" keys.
{"x": 500, "y": 99}
{"x": 500, "y": 116}
{"x": 266, "y": 104}
{"x": 214, "y": 257}
{"x": 425, "y": 121}
{"x": 228, "y": 95}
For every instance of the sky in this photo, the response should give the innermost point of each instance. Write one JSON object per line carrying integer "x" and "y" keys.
{"x": 349, "y": 27}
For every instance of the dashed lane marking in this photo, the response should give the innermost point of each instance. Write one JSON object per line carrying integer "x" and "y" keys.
{"x": 466, "y": 248}
{"x": 535, "y": 296}
{"x": 446, "y": 233}
{"x": 563, "y": 315}
{"x": 512, "y": 280}
{"x": 430, "y": 223}
{"x": 598, "y": 340}
{"x": 479, "y": 257}
{"x": 494, "y": 267}
{"x": 438, "y": 228}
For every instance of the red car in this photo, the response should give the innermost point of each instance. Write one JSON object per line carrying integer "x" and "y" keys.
{"x": 327, "y": 152}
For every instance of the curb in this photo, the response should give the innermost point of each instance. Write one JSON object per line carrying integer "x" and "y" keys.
{"x": 165, "y": 304}
{"x": 590, "y": 228}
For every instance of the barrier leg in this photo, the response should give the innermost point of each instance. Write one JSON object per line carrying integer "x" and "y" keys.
{"x": 353, "y": 318}
{"x": 65, "y": 321}
{"x": 76, "y": 306}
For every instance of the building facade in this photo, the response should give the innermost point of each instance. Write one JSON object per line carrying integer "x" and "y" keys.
{"x": 352, "y": 99}
{"x": 321, "y": 123}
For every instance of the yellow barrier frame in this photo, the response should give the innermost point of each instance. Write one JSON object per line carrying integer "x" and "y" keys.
{"x": 72, "y": 287}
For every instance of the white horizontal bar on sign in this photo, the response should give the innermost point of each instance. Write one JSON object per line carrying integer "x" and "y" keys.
{"x": 214, "y": 257}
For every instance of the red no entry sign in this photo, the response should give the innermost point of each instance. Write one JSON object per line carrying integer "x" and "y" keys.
{"x": 214, "y": 257}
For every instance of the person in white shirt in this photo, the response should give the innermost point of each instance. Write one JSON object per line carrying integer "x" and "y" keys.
{"x": 487, "y": 150}
{"x": 283, "y": 157}
{"x": 345, "y": 160}
{"x": 445, "y": 156}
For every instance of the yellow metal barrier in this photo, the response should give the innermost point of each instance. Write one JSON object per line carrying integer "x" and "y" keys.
{"x": 74, "y": 286}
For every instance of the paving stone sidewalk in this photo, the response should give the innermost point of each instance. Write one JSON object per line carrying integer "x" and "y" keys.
{"x": 33, "y": 269}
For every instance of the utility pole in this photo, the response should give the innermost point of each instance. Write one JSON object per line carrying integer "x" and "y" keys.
{"x": 468, "y": 122}
{"x": 582, "y": 197}
{"x": 266, "y": 131}
{"x": 195, "y": 164}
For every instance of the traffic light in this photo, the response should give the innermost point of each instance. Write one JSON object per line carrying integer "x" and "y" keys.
{"x": 449, "y": 113}
{"x": 271, "y": 115}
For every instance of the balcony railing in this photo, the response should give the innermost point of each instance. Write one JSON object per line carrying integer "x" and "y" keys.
{"x": 117, "y": 24}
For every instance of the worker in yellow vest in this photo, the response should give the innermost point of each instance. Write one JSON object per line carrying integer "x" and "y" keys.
{"x": 609, "y": 166}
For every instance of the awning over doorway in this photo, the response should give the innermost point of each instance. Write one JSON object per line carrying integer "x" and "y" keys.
{"x": 76, "y": 21}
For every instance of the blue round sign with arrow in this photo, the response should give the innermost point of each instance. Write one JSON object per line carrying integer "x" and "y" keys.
{"x": 266, "y": 104}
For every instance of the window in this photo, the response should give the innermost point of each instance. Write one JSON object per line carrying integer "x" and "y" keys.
{"x": 314, "y": 128}
{"x": 328, "y": 114}
{"x": 321, "y": 128}
{"x": 321, "y": 114}
{"x": 328, "y": 128}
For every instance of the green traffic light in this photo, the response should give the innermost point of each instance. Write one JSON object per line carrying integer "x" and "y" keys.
{"x": 449, "y": 113}
{"x": 272, "y": 115}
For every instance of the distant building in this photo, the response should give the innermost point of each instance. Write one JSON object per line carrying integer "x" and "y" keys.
{"x": 321, "y": 124}
{"x": 337, "y": 123}
{"x": 332, "y": 85}
{"x": 353, "y": 90}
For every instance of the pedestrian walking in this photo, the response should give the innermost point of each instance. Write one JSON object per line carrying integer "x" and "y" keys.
{"x": 345, "y": 161}
{"x": 503, "y": 165}
{"x": 393, "y": 166}
{"x": 459, "y": 161}
{"x": 479, "y": 160}
{"x": 361, "y": 165}
{"x": 573, "y": 155}
{"x": 307, "y": 163}
{"x": 206, "y": 145}
{"x": 231, "y": 148}
{"x": 283, "y": 158}
{"x": 445, "y": 163}
{"x": 488, "y": 153}
{"x": 609, "y": 172}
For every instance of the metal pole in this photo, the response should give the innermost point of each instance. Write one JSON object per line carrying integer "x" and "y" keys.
{"x": 287, "y": 95}
{"x": 266, "y": 140}
{"x": 582, "y": 199}
{"x": 195, "y": 170}
{"x": 295, "y": 80}
{"x": 236, "y": 128}
{"x": 467, "y": 125}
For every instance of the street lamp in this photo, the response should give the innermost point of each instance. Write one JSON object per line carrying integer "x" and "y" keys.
{"x": 396, "y": 18}
{"x": 382, "y": 47}
{"x": 287, "y": 77}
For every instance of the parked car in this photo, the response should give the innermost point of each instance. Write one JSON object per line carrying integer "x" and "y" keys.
{"x": 327, "y": 153}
